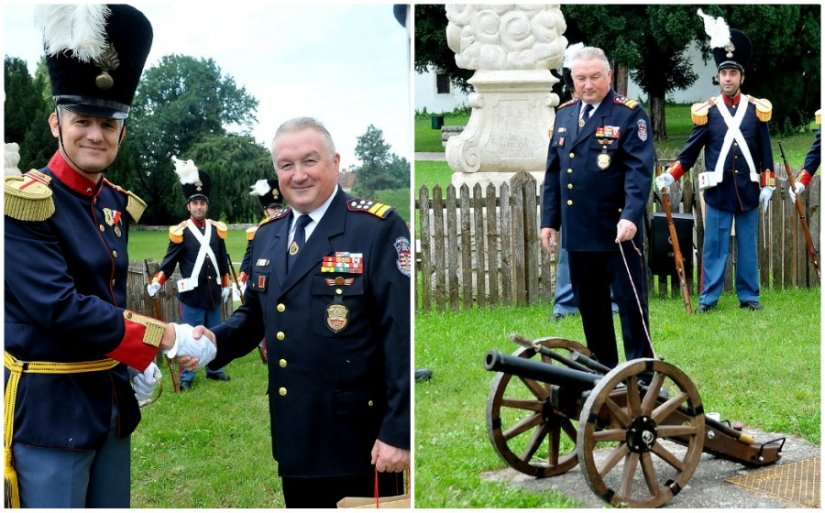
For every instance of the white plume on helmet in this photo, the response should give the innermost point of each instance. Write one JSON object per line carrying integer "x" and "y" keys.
{"x": 260, "y": 188}
{"x": 80, "y": 28}
{"x": 717, "y": 29}
{"x": 186, "y": 170}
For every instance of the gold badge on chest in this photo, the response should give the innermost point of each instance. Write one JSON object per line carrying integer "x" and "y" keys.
{"x": 293, "y": 249}
{"x": 337, "y": 317}
{"x": 603, "y": 161}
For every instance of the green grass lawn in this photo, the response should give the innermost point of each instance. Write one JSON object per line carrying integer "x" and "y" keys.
{"x": 429, "y": 139}
{"x": 760, "y": 368}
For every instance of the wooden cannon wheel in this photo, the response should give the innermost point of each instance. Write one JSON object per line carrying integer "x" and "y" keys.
{"x": 628, "y": 421}
{"x": 524, "y": 430}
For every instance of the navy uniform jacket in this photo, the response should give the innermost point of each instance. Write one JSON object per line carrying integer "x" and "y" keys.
{"x": 737, "y": 192}
{"x": 65, "y": 298}
{"x": 814, "y": 155}
{"x": 586, "y": 200}
{"x": 338, "y": 342}
{"x": 183, "y": 250}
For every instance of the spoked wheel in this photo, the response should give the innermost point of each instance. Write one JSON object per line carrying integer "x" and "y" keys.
{"x": 623, "y": 425}
{"x": 524, "y": 429}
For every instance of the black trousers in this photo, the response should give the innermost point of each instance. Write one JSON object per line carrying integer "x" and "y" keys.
{"x": 593, "y": 275}
{"x": 325, "y": 492}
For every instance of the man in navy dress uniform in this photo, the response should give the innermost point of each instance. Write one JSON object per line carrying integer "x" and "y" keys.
{"x": 71, "y": 346}
{"x": 599, "y": 172}
{"x": 812, "y": 160}
{"x": 198, "y": 246}
{"x": 733, "y": 130}
{"x": 329, "y": 290}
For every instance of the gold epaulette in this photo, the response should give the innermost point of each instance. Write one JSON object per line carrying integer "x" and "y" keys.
{"x": 28, "y": 197}
{"x": 567, "y": 104}
{"x": 176, "y": 232}
{"x": 764, "y": 108}
{"x": 818, "y": 116}
{"x": 220, "y": 227}
{"x": 361, "y": 205}
{"x": 624, "y": 100}
{"x": 250, "y": 232}
{"x": 699, "y": 112}
{"x": 135, "y": 206}
{"x": 154, "y": 328}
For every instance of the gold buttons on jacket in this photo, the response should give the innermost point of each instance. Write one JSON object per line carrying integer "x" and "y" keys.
{"x": 281, "y": 307}
{"x": 569, "y": 202}
{"x": 370, "y": 403}
{"x": 114, "y": 254}
{"x": 620, "y": 211}
{"x": 339, "y": 291}
{"x": 572, "y": 155}
{"x": 570, "y": 186}
{"x": 102, "y": 228}
{"x": 282, "y": 363}
{"x": 569, "y": 170}
{"x": 282, "y": 391}
{"x": 280, "y": 335}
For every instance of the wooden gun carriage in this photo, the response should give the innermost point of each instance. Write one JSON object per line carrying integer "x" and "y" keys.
{"x": 552, "y": 406}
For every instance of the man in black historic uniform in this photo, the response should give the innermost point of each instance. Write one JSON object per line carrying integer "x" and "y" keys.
{"x": 269, "y": 196}
{"x": 599, "y": 172}
{"x": 812, "y": 160}
{"x": 71, "y": 347}
{"x": 329, "y": 290}
{"x": 733, "y": 130}
{"x": 198, "y": 246}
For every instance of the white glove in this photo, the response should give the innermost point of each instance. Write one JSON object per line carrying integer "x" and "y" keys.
{"x": 182, "y": 331}
{"x": 796, "y": 190}
{"x": 765, "y": 197}
{"x": 226, "y": 293}
{"x": 664, "y": 180}
{"x": 201, "y": 348}
{"x": 143, "y": 383}
{"x": 243, "y": 288}
{"x": 152, "y": 288}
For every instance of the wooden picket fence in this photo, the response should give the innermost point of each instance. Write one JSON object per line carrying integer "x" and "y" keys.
{"x": 484, "y": 249}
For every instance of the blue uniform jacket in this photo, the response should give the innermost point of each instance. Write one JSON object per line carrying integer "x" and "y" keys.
{"x": 814, "y": 154}
{"x": 207, "y": 294}
{"x": 737, "y": 192}
{"x": 587, "y": 200}
{"x": 65, "y": 295}
{"x": 338, "y": 342}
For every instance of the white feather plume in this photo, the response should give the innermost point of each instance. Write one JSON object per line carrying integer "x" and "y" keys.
{"x": 571, "y": 50}
{"x": 260, "y": 188}
{"x": 717, "y": 29}
{"x": 80, "y": 28}
{"x": 186, "y": 170}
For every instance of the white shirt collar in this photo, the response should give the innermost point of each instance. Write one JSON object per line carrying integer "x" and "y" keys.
{"x": 315, "y": 215}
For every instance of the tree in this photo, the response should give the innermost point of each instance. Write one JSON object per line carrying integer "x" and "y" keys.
{"x": 181, "y": 102}
{"x": 431, "y": 45}
{"x": 380, "y": 169}
{"x": 26, "y": 111}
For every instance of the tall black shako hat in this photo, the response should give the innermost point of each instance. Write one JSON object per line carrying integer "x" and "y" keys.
{"x": 95, "y": 55}
{"x": 268, "y": 193}
{"x": 731, "y": 47}
{"x": 196, "y": 184}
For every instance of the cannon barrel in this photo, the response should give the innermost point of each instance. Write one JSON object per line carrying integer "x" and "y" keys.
{"x": 523, "y": 367}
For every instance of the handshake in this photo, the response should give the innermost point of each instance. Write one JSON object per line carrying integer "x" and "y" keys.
{"x": 194, "y": 348}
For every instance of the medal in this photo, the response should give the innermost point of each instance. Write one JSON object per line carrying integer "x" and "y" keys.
{"x": 581, "y": 123}
{"x": 603, "y": 161}
{"x": 293, "y": 249}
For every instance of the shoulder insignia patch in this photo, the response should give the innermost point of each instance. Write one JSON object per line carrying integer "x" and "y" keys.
{"x": 567, "y": 104}
{"x": 361, "y": 205}
{"x": 764, "y": 108}
{"x": 220, "y": 227}
{"x": 176, "y": 232}
{"x": 250, "y": 232}
{"x": 28, "y": 197}
{"x": 624, "y": 100}
{"x": 699, "y": 112}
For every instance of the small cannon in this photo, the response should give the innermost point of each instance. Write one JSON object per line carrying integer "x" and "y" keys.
{"x": 547, "y": 414}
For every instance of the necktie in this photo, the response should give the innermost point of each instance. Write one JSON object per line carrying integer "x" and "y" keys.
{"x": 298, "y": 239}
{"x": 585, "y": 114}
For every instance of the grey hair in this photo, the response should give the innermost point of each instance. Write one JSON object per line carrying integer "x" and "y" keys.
{"x": 588, "y": 53}
{"x": 305, "y": 123}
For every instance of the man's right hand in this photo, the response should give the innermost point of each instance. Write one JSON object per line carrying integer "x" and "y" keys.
{"x": 152, "y": 288}
{"x": 548, "y": 240}
{"x": 796, "y": 190}
{"x": 196, "y": 348}
{"x": 664, "y": 181}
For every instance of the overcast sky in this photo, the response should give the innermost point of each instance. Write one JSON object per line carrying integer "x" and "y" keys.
{"x": 346, "y": 64}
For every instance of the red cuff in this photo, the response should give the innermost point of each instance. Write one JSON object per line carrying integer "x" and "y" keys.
{"x": 768, "y": 178}
{"x": 160, "y": 277}
{"x": 804, "y": 178}
{"x": 243, "y": 277}
{"x": 676, "y": 170}
{"x": 132, "y": 351}
{"x": 227, "y": 280}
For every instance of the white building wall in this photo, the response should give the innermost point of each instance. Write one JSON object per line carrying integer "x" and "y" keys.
{"x": 426, "y": 96}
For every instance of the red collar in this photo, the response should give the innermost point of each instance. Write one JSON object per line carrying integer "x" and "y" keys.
{"x": 199, "y": 224}
{"x": 732, "y": 102}
{"x": 71, "y": 178}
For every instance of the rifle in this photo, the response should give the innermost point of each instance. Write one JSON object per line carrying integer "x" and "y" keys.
{"x": 678, "y": 260}
{"x": 261, "y": 350}
{"x": 158, "y": 316}
{"x": 803, "y": 220}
